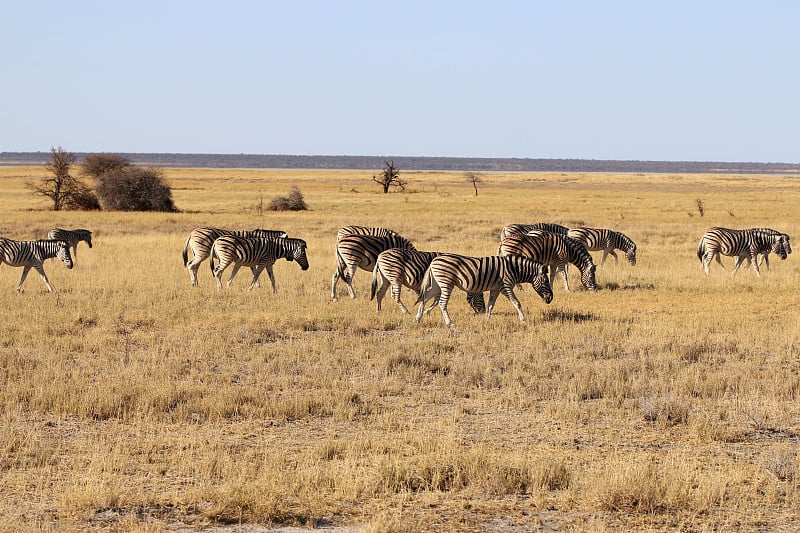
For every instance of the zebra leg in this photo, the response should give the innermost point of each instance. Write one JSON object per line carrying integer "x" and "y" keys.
{"x": 271, "y": 279}
{"x": 380, "y": 292}
{"x": 613, "y": 254}
{"x": 256, "y": 270}
{"x": 515, "y": 301}
{"x": 25, "y": 271}
{"x": 396, "y": 288}
{"x": 333, "y": 284}
{"x": 766, "y": 261}
{"x": 426, "y": 293}
{"x": 563, "y": 271}
{"x": 236, "y": 267}
{"x": 351, "y": 272}
{"x": 443, "y": 299}
{"x": 217, "y": 272}
{"x": 490, "y": 306}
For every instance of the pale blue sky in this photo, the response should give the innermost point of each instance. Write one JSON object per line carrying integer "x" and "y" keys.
{"x": 628, "y": 79}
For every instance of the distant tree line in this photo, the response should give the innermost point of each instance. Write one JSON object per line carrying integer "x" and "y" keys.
{"x": 465, "y": 164}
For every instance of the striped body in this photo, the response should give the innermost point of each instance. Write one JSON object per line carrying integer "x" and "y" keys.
{"x": 522, "y": 229}
{"x": 201, "y": 239}
{"x": 555, "y": 251}
{"x": 33, "y": 254}
{"x": 256, "y": 253}
{"x": 399, "y": 267}
{"x": 496, "y": 274}
{"x": 744, "y": 244}
{"x": 364, "y": 230}
{"x": 361, "y": 251}
{"x": 595, "y": 239}
{"x": 71, "y": 237}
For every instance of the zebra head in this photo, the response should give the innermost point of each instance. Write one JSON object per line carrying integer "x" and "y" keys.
{"x": 630, "y": 254}
{"x": 89, "y": 238}
{"x": 786, "y": 245}
{"x": 62, "y": 252}
{"x": 587, "y": 276}
{"x": 541, "y": 282}
{"x": 779, "y": 247}
{"x": 297, "y": 252}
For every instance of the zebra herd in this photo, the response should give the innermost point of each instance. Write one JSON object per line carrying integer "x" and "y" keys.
{"x": 395, "y": 263}
{"x": 33, "y": 254}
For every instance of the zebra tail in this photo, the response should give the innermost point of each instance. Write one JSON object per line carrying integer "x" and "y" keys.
{"x": 426, "y": 281}
{"x": 701, "y": 249}
{"x": 185, "y": 252}
{"x": 373, "y": 288}
{"x": 211, "y": 257}
{"x": 342, "y": 267}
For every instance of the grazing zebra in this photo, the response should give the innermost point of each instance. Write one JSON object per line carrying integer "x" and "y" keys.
{"x": 496, "y": 274}
{"x": 744, "y": 244}
{"x": 32, "y": 254}
{"x": 397, "y": 267}
{"x": 256, "y": 253}
{"x": 594, "y": 239}
{"x": 364, "y": 230}
{"x": 522, "y": 229}
{"x": 201, "y": 239}
{"x": 71, "y": 237}
{"x": 555, "y": 251}
{"x": 765, "y": 256}
{"x": 361, "y": 251}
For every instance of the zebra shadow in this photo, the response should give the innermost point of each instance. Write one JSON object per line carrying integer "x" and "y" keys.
{"x": 613, "y": 286}
{"x": 559, "y": 315}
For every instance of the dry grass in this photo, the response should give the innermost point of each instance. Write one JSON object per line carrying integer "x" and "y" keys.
{"x": 668, "y": 400}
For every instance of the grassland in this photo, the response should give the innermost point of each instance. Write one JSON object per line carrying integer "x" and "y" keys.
{"x": 667, "y": 400}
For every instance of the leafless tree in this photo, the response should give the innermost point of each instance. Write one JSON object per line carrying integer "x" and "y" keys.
{"x": 474, "y": 178}
{"x": 63, "y": 189}
{"x": 390, "y": 177}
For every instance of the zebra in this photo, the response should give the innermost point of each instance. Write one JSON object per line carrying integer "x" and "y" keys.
{"x": 522, "y": 229}
{"x": 745, "y": 244}
{"x": 201, "y": 239}
{"x": 765, "y": 256}
{"x": 555, "y": 251}
{"x": 361, "y": 251}
{"x": 496, "y": 274}
{"x": 33, "y": 254}
{"x": 594, "y": 239}
{"x": 256, "y": 253}
{"x": 397, "y": 267}
{"x": 364, "y": 230}
{"x": 71, "y": 237}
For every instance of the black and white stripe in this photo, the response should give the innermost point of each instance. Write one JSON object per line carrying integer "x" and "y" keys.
{"x": 364, "y": 230}
{"x": 555, "y": 251}
{"x": 256, "y": 253}
{"x": 361, "y": 251}
{"x": 765, "y": 255}
{"x": 496, "y": 274}
{"x": 201, "y": 239}
{"x": 595, "y": 239}
{"x": 744, "y": 244}
{"x": 522, "y": 229}
{"x": 399, "y": 267}
{"x": 33, "y": 254}
{"x": 72, "y": 237}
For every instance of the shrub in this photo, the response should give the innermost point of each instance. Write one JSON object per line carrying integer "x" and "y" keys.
{"x": 134, "y": 189}
{"x": 291, "y": 202}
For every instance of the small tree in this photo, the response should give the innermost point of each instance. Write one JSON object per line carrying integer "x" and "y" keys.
{"x": 474, "y": 179}
{"x": 134, "y": 189}
{"x": 64, "y": 190}
{"x": 291, "y": 202}
{"x": 390, "y": 177}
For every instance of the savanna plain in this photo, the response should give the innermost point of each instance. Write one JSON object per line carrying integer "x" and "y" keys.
{"x": 665, "y": 401}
